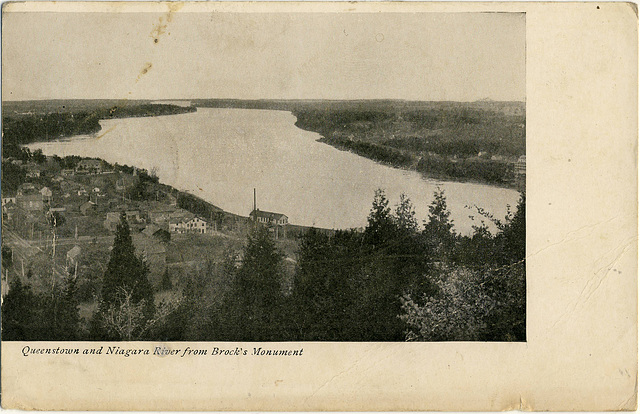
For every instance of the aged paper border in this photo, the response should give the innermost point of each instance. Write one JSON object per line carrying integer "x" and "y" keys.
{"x": 581, "y": 352}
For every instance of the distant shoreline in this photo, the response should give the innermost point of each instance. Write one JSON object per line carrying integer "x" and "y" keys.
{"x": 319, "y": 116}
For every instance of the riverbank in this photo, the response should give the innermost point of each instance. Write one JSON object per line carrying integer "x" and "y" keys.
{"x": 82, "y": 209}
{"x": 25, "y": 122}
{"x": 477, "y": 142}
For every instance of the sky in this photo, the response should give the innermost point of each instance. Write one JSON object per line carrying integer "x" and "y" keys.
{"x": 413, "y": 56}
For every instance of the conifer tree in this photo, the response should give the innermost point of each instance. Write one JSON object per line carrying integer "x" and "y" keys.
{"x": 256, "y": 297}
{"x": 125, "y": 269}
{"x": 60, "y": 312}
{"x": 438, "y": 231}
{"x": 127, "y": 275}
{"x": 380, "y": 227}
{"x": 19, "y": 313}
{"x": 69, "y": 316}
{"x": 165, "y": 283}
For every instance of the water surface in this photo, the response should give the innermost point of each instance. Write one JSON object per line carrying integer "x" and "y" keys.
{"x": 222, "y": 154}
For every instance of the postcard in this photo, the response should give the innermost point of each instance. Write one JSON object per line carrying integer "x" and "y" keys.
{"x": 300, "y": 206}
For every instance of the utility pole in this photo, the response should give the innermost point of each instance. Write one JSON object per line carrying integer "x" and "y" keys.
{"x": 53, "y": 255}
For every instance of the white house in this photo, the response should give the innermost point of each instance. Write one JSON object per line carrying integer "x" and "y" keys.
{"x": 194, "y": 225}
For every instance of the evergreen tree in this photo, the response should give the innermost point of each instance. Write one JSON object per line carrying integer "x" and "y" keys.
{"x": 126, "y": 276}
{"x": 255, "y": 300}
{"x": 61, "y": 312}
{"x": 405, "y": 216}
{"x": 512, "y": 237}
{"x": 165, "y": 283}
{"x": 69, "y": 316}
{"x": 438, "y": 231}
{"x": 125, "y": 269}
{"x": 380, "y": 224}
{"x": 19, "y": 317}
{"x": 7, "y": 258}
{"x": 323, "y": 296}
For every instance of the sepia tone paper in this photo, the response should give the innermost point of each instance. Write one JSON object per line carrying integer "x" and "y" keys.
{"x": 581, "y": 348}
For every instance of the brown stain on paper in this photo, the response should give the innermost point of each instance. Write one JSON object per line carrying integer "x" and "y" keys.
{"x": 147, "y": 67}
{"x": 161, "y": 28}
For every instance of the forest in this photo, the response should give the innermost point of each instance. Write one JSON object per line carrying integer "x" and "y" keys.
{"x": 20, "y": 128}
{"x": 460, "y": 142}
{"x": 397, "y": 280}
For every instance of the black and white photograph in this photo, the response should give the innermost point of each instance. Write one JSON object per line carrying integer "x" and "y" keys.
{"x": 319, "y": 206}
{"x": 263, "y": 177}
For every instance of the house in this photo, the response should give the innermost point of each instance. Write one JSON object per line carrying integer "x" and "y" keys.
{"x": 160, "y": 215}
{"x": 10, "y": 211}
{"x": 188, "y": 225}
{"x": 67, "y": 172}
{"x": 89, "y": 167}
{"x": 133, "y": 216}
{"x": 112, "y": 221}
{"x": 6, "y": 199}
{"x": 88, "y": 207}
{"x": 46, "y": 194}
{"x": 34, "y": 171}
{"x": 27, "y": 189}
{"x": 30, "y": 202}
{"x": 196, "y": 225}
{"x": 82, "y": 192}
{"x": 268, "y": 218}
{"x": 73, "y": 255}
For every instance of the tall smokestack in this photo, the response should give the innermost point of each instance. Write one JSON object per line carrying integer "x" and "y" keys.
{"x": 255, "y": 213}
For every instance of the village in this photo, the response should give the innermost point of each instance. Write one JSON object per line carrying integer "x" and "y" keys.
{"x": 63, "y": 214}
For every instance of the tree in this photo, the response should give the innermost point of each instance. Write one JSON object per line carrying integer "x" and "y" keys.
{"x": 438, "y": 231}
{"x": 218, "y": 217}
{"x": 405, "y": 216}
{"x": 165, "y": 283}
{"x": 459, "y": 313}
{"x": 7, "y": 257}
{"x": 380, "y": 224}
{"x": 323, "y": 297}
{"x": 19, "y": 317}
{"x": 125, "y": 319}
{"x": 255, "y": 300}
{"x": 512, "y": 236}
{"x": 125, "y": 271}
{"x": 61, "y": 312}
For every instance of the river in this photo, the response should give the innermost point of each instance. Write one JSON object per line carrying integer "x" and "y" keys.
{"x": 221, "y": 155}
